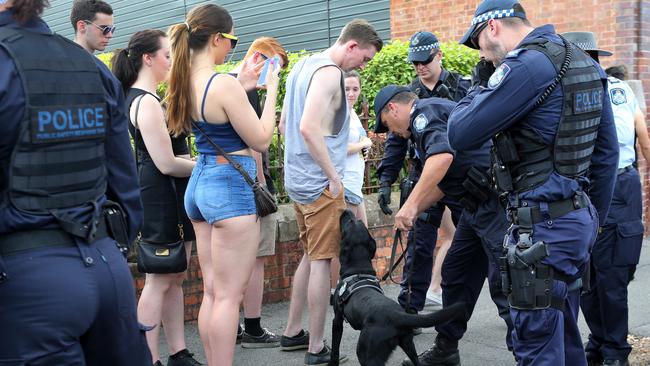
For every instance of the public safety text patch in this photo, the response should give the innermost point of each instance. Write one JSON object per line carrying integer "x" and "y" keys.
{"x": 588, "y": 101}
{"x": 67, "y": 123}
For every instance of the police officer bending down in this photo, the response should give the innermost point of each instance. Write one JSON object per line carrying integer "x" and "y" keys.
{"x": 432, "y": 80}
{"x": 66, "y": 292}
{"x": 463, "y": 181}
{"x": 547, "y": 109}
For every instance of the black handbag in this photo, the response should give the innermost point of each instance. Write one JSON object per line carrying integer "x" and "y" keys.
{"x": 264, "y": 201}
{"x": 161, "y": 257}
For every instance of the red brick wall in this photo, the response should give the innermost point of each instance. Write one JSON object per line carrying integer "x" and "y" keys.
{"x": 621, "y": 26}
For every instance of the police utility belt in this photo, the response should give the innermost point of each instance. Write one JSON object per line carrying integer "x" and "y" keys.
{"x": 111, "y": 224}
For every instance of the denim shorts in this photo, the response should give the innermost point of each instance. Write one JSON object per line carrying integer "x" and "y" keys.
{"x": 352, "y": 198}
{"x": 217, "y": 191}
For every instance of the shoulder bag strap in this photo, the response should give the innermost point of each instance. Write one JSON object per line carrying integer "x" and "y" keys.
{"x": 235, "y": 164}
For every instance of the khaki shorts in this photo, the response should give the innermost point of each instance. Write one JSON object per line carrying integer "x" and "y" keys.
{"x": 318, "y": 222}
{"x": 268, "y": 228}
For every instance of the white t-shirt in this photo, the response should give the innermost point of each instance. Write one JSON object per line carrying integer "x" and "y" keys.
{"x": 624, "y": 107}
{"x": 354, "y": 164}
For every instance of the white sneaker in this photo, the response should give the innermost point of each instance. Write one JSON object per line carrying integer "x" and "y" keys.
{"x": 434, "y": 298}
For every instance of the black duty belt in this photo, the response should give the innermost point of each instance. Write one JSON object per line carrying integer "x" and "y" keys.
{"x": 19, "y": 241}
{"x": 555, "y": 209}
{"x": 628, "y": 168}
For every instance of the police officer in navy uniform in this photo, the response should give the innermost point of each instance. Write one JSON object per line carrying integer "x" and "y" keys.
{"x": 67, "y": 292}
{"x": 461, "y": 177}
{"x": 548, "y": 113}
{"x": 432, "y": 81}
{"x": 618, "y": 246}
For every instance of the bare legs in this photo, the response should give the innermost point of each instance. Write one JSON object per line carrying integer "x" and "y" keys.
{"x": 448, "y": 226}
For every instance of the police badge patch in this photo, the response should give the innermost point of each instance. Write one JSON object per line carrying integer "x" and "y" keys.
{"x": 420, "y": 122}
{"x": 499, "y": 74}
{"x": 618, "y": 96}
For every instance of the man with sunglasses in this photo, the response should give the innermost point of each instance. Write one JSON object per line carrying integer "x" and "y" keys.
{"x": 66, "y": 292}
{"x": 432, "y": 80}
{"x": 93, "y": 24}
{"x": 555, "y": 158}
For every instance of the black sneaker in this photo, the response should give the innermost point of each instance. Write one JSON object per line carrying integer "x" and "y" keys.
{"x": 434, "y": 356}
{"x": 299, "y": 341}
{"x": 240, "y": 334}
{"x": 322, "y": 357}
{"x": 266, "y": 340}
{"x": 158, "y": 363}
{"x": 183, "y": 358}
{"x": 594, "y": 358}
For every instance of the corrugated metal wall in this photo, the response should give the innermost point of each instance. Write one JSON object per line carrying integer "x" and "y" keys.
{"x": 298, "y": 24}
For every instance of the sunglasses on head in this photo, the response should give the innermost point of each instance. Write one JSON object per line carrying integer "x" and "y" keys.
{"x": 427, "y": 61}
{"x": 477, "y": 32}
{"x": 233, "y": 39}
{"x": 106, "y": 29}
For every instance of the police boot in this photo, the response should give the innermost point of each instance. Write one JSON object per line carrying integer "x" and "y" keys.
{"x": 443, "y": 353}
{"x": 594, "y": 358}
{"x": 183, "y": 358}
{"x": 616, "y": 363}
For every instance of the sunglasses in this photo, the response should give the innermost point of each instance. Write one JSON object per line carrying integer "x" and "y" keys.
{"x": 106, "y": 29}
{"x": 233, "y": 39}
{"x": 477, "y": 32}
{"x": 427, "y": 61}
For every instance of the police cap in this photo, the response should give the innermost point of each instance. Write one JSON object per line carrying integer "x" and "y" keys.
{"x": 383, "y": 97}
{"x": 420, "y": 46}
{"x": 491, "y": 9}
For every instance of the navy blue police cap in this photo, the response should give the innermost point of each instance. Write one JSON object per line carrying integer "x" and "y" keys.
{"x": 420, "y": 46}
{"x": 383, "y": 97}
{"x": 491, "y": 9}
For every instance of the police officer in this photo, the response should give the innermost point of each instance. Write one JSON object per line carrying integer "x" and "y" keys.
{"x": 460, "y": 177}
{"x": 432, "y": 81}
{"x": 618, "y": 246}
{"x": 547, "y": 109}
{"x": 67, "y": 292}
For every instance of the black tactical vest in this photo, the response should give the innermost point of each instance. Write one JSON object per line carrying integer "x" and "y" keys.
{"x": 58, "y": 161}
{"x": 447, "y": 89}
{"x": 570, "y": 154}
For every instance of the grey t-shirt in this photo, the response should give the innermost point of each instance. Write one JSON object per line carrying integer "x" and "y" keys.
{"x": 304, "y": 179}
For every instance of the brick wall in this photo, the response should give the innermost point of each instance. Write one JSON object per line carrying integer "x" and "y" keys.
{"x": 621, "y": 26}
{"x": 279, "y": 269}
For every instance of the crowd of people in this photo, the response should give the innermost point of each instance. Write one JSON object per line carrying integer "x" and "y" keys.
{"x": 532, "y": 176}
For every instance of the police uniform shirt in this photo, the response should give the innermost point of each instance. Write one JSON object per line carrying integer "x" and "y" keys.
{"x": 624, "y": 106}
{"x": 461, "y": 86}
{"x": 510, "y": 99}
{"x": 122, "y": 184}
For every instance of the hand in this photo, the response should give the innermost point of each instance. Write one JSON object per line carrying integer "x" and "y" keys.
{"x": 250, "y": 72}
{"x": 365, "y": 142}
{"x": 405, "y": 218}
{"x": 335, "y": 186}
{"x": 481, "y": 73}
{"x": 384, "y": 199}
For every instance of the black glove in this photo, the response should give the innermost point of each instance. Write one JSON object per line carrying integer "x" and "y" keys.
{"x": 384, "y": 199}
{"x": 481, "y": 73}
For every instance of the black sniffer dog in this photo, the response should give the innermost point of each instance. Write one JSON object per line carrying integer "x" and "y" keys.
{"x": 359, "y": 299}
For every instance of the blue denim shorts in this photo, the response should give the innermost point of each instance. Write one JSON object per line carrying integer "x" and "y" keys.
{"x": 352, "y": 198}
{"x": 217, "y": 191}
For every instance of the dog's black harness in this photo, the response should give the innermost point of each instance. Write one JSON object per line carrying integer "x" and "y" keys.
{"x": 351, "y": 284}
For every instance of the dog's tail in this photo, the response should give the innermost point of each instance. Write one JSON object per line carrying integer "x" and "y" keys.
{"x": 437, "y": 317}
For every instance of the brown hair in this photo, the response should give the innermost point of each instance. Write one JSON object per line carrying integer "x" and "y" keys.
{"x": 352, "y": 74}
{"x": 87, "y": 10}
{"x": 24, "y": 10}
{"x": 361, "y": 31}
{"x": 127, "y": 62}
{"x": 202, "y": 23}
{"x": 269, "y": 46}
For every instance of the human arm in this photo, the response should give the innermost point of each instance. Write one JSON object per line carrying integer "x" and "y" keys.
{"x": 283, "y": 120}
{"x": 152, "y": 127}
{"x": 325, "y": 84}
{"x": 426, "y": 191}
{"x": 642, "y": 134}
{"x": 355, "y": 147}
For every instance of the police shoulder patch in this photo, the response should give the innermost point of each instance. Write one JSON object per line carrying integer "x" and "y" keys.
{"x": 618, "y": 96}
{"x": 499, "y": 74}
{"x": 420, "y": 122}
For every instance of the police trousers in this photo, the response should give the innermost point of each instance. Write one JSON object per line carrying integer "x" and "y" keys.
{"x": 613, "y": 260}
{"x": 473, "y": 257}
{"x": 551, "y": 337}
{"x": 68, "y": 306}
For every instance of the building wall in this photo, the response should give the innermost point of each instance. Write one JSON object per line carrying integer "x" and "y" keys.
{"x": 621, "y": 26}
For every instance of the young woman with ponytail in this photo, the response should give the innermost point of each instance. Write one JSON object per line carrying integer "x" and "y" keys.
{"x": 218, "y": 200}
{"x": 161, "y": 158}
